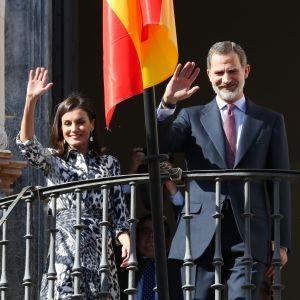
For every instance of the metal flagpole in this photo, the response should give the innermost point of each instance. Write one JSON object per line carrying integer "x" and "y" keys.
{"x": 156, "y": 198}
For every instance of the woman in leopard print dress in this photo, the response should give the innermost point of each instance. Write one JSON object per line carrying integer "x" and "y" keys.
{"x": 74, "y": 157}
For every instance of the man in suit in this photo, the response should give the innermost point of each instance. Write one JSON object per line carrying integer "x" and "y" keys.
{"x": 257, "y": 141}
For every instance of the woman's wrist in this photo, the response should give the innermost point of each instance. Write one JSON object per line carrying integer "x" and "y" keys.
{"x": 31, "y": 100}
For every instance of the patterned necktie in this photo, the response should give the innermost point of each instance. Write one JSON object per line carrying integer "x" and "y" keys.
{"x": 230, "y": 133}
{"x": 149, "y": 280}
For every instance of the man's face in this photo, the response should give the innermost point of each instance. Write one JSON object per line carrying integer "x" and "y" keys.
{"x": 145, "y": 241}
{"x": 227, "y": 76}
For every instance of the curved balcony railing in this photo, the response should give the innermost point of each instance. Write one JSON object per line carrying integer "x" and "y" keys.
{"x": 218, "y": 177}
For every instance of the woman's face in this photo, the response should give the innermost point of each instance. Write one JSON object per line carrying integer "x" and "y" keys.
{"x": 76, "y": 128}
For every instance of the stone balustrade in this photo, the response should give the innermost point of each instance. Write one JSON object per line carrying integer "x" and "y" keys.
{"x": 10, "y": 171}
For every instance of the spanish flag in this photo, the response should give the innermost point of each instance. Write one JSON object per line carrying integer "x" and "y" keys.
{"x": 139, "y": 48}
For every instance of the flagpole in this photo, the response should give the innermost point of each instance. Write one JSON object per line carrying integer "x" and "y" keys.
{"x": 156, "y": 198}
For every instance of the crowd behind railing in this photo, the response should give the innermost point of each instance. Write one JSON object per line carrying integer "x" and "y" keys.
{"x": 50, "y": 194}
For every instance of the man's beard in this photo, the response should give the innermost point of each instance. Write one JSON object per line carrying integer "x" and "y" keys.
{"x": 229, "y": 95}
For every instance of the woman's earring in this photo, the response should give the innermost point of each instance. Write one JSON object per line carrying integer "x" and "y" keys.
{"x": 64, "y": 141}
{"x": 91, "y": 137}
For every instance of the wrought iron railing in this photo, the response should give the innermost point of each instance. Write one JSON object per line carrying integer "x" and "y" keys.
{"x": 218, "y": 177}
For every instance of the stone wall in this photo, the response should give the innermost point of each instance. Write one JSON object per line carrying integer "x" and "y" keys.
{"x": 3, "y": 136}
{"x": 28, "y": 35}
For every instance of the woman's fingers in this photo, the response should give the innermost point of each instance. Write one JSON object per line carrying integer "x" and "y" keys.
{"x": 125, "y": 252}
{"x": 45, "y": 75}
{"x": 125, "y": 256}
{"x": 48, "y": 86}
{"x": 36, "y": 73}
{"x": 31, "y": 75}
{"x": 39, "y": 73}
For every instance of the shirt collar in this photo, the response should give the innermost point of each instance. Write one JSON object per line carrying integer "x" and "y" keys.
{"x": 240, "y": 103}
{"x": 75, "y": 152}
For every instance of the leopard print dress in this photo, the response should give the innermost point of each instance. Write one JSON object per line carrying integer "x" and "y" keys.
{"x": 80, "y": 167}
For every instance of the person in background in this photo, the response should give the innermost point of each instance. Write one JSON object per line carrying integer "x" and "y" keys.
{"x": 145, "y": 276}
{"x": 75, "y": 155}
{"x": 229, "y": 132}
{"x": 139, "y": 165}
{"x": 173, "y": 201}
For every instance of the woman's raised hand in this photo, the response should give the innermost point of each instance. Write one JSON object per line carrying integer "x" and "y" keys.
{"x": 36, "y": 87}
{"x": 37, "y": 83}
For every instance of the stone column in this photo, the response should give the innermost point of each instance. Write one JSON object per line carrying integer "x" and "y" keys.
{"x": 28, "y": 36}
{"x": 3, "y": 136}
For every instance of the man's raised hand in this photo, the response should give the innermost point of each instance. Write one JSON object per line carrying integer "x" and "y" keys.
{"x": 180, "y": 85}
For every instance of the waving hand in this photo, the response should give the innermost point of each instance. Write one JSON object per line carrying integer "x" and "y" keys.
{"x": 180, "y": 86}
{"x": 37, "y": 86}
{"x": 37, "y": 83}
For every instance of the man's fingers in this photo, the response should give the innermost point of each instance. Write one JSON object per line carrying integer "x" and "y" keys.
{"x": 193, "y": 90}
{"x": 190, "y": 69}
{"x": 194, "y": 75}
{"x": 187, "y": 69}
{"x": 177, "y": 70}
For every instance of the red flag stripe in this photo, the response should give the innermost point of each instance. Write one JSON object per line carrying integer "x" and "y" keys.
{"x": 119, "y": 54}
{"x": 151, "y": 12}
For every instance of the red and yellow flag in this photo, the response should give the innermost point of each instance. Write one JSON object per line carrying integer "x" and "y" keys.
{"x": 139, "y": 47}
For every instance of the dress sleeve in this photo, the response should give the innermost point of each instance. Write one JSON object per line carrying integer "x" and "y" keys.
{"x": 34, "y": 152}
{"x": 119, "y": 207}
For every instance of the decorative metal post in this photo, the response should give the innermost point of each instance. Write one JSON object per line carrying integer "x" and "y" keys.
{"x": 188, "y": 262}
{"x": 51, "y": 275}
{"x": 27, "y": 280}
{"x": 76, "y": 271}
{"x": 104, "y": 268}
{"x": 132, "y": 262}
{"x": 276, "y": 259}
{"x": 247, "y": 259}
{"x": 218, "y": 258}
{"x": 4, "y": 242}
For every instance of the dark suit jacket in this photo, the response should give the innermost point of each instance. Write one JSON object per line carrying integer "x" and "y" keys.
{"x": 198, "y": 132}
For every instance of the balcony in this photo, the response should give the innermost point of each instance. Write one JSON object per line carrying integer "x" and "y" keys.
{"x": 26, "y": 199}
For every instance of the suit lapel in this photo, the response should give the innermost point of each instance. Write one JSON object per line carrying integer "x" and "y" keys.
{"x": 251, "y": 128}
{"x": 212, "y": 123}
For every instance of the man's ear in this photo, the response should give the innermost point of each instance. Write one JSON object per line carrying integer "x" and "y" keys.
{"x": 247, "y": 70}
{"x": 208, "y": 73}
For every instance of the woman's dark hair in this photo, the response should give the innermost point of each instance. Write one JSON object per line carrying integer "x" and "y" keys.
{"x": 74, "y": 101}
